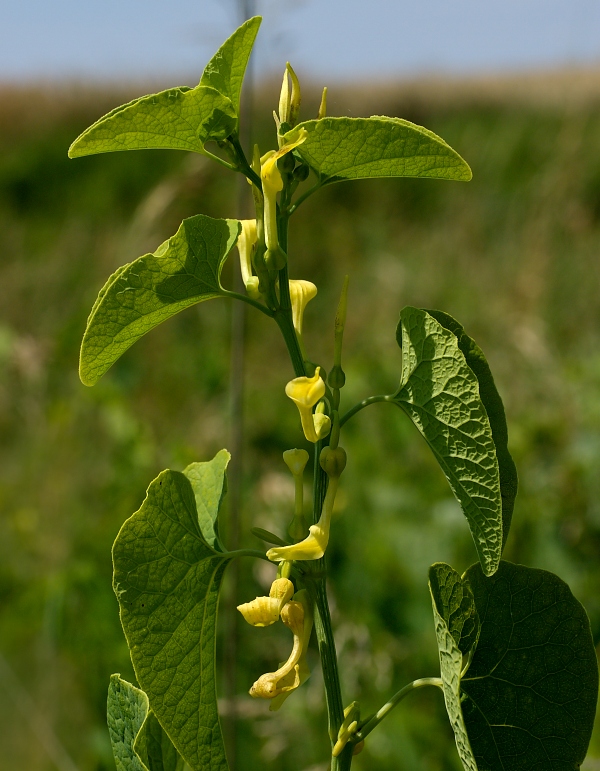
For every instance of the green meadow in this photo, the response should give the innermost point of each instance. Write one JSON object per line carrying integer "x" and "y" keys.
{"x": 514, "y": 255}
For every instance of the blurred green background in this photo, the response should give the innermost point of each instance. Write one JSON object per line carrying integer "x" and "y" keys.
{"x": 514, "y": 255}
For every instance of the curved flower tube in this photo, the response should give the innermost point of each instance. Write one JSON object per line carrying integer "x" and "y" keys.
{"x": 305, "y": 392}
{"x": 301, "y": 670}
{"x": 245, "y": 244}
{"x": 272, "y": 183}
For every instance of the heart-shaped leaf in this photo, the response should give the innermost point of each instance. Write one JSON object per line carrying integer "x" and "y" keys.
{"x": 357, "y": 148}
{"x": 167, "y": 580}
{"x": 531, "y": 690}
{"x": 528, "y": 699}
{"x": 492, "y": 402}
{"x": 440, "y": 393}
{"x": 183, "y": 271}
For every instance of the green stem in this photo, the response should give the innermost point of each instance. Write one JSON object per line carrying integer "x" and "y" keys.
{"x": 243, "y": 164}
{"x": 374, "y": 721}
{"x": 365, "y": 403}
{"x": 323, "y": 629}
{"x": 250, "y": 301}
{"x": 304, "y": 196}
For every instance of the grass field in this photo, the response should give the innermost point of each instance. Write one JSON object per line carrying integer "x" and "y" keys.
{"x": 514, "y": 255}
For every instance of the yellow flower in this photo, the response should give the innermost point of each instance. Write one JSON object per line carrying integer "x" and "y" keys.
{"x": 264, "y": 611}
{"x": 314, "y": 545}
{"x": 301, "y": 293}
{"x": 272, "y": 184}
{"x": 245, "y": 244}
{"x": 305, "y": 392}
{"x": 297, "y": 615}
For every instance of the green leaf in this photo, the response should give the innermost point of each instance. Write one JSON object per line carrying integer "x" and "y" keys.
{"x": 175, "y": 119}
{"x": 440, "y": 394}
{"x": 209, "y": 484}
{"x": 529, "y": 697}
{"x": 127, "y": 709}
{"x": 357, "y": 148}
{"x": 183, "y": 271}
{"x": 225, "y": 71}
{"x": 451, "y": 659}
{"x": 492, "y": 402}
{"x": 138, "y": 740}
{"x": 155, "y": 748}
{"x": 167, "y": 580}
{"x": 454, "y": 601}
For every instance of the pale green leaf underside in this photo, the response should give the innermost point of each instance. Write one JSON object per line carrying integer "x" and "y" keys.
{"x": 225, "y": 71}
{"x": 167, "y": 580}
{"x": 440, "y": 394}
{"x": 450, "y": 669}
{"x": 127, "y": 709}
{"x": 138, "y": 740}
{"x": 183, "y": 271}
{"x": 357, "y": 148}
{"x": 454, "y": 601}
{"x": 475, "y": 358}
{"x": 209, "y": 484}
{"x": 529, "y": 696}
{"x": 175, "y": 119}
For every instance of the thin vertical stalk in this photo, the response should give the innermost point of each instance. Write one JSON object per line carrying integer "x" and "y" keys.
{"x": 323, "y": 628}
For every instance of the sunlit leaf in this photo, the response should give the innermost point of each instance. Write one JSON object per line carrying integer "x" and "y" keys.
{"x": 209, "y": 484}
{"x": 225, "y": 71}
{"x": 356, "y": 148}
{"x": 175, "y": 119}
{"x": 167, "y": 580}
{"x": 440, "y": 394}
{"x": 183, "y": 271}
{"x": 492, "y": 402}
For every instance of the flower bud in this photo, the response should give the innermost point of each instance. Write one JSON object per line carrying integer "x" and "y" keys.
{"x": 337, "y": 377}
{"x": 333, "y": 462}
{"x": 292, "y": 616}
{"x": 282, "y": 590}
{"x": 296, "y": 461}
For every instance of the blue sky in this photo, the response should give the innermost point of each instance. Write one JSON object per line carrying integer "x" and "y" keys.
{"x": 327, "y": 39}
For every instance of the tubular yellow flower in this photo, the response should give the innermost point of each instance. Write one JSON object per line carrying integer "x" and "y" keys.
{"x": 305, "y": 392}
{"x": 245, "y": 244}
{"x": 298, "y": 616}
{"x": 314, "y": 545}
{"x": 272, "y": 183}
{"x": 301, "y": 293}
{"x": 270, "y": 684}
{"x": 301, "y": 671}
{"x": 264, "y": 611}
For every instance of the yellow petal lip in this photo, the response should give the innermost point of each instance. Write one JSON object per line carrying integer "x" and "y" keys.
{"x": 301, "y": 293}
{"x": 296, "y": 461}
{"x": 306, "y": 391}
{"x": 263, "y": 611}
{"x": 311, "y": 548}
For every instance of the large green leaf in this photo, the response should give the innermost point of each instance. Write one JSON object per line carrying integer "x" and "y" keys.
{"x": 225, "y": 71}
{"x": 492, "y": 402}
{"x": 356, "y": 148}
{"x": 183, "y": 271}
{"x": 440, "y": 393}
{"x": 175, "y": 119}
{"x": 138, "y": 740}
{"x": 167, "y": 580}
{"x": 209, "y": 484}
{"x": 451, "y": 657}
{"x": 529, "y": 697}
